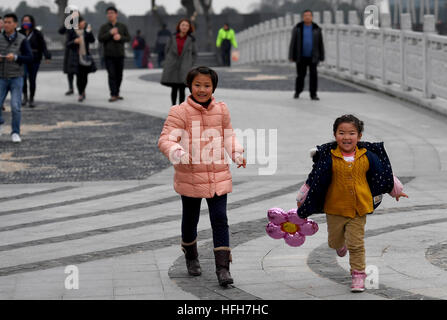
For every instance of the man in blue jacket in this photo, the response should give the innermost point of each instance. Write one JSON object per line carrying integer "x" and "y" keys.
{"x": 15, "y": 51}
{"x": 306, "y": 50}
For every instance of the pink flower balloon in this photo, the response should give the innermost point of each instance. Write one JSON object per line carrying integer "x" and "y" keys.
{"x": 274, "y": 231}
{"x": 277, "y": 216}
{"x": 292, "y": 216}
{"x": 289, "y": 226}
{"x": 295, "y": 239}
{"x": 309, "y": 228}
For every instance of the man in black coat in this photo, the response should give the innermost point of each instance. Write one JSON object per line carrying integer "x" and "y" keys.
{"x": 306, "y": 50}
{"x": 113, "y": 35}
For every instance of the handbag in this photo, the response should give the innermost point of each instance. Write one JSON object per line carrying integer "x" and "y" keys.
{"x": 85, "y": 60}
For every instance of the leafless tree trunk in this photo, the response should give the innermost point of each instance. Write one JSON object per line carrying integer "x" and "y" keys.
{"x": 206, "y": 5}
{"x": 190, "y": 8}
{"x": 155, "y": 13}
{"x": 62, "y": 4}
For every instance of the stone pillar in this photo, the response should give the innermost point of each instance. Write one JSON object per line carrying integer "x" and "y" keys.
{"x": 405, "y": 25}
{"x": 281, "y": 37}
{"x": 317, "y": 17}
{"x": 327, "y": 17}
{"x": 275, "y": 42}
{"x": 405, "y": 22}
{"x": 296, "y": 19}
{"x": 262, "y": 42}
{"x": 429, "y": 28}
{"x": 385, "y": 20}
{"x": 353, "y": 18}
{"x": 339, "y": 17}
{"x": 429, "y": 24}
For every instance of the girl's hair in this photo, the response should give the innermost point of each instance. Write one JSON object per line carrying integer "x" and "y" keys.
{"x": 349, "y": 118}
{"x": 202, "y": 70}
{"x": 191, "y": 26}
{"x": 31, "y": 18}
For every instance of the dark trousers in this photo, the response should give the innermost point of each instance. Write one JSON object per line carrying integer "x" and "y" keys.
{"x": 226, "y": 53}
{"x": 301, "y": 69}
{"x": 82, "y": 79}
{"x": 161, "y": 57}
{"x": 178, "y": 88}
{"x": 217, "y": 207}
{"x": 115, "y": 67}
{"x": 70, "y": 77}
{"x": 31, "y": 76}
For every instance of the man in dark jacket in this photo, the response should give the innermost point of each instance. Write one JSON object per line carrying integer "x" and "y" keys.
{"x": 163, "y": 37}
{"x": 113, "y": 35}
{"x": 14, "y": 52}
{"x": 306, "y": 50}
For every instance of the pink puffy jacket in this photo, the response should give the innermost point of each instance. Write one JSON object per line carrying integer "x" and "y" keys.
{"x": 197, "y": 141}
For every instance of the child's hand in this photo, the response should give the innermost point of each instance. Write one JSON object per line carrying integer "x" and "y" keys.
{"x": 243, "y": 164}
{"x": 401, "y": 195}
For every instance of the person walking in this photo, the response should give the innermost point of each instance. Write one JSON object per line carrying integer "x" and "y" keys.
{"x": 39, "y": 49}
{"x": 14, "y": 52}
{"x": 181, "y": 54}
{"x": 113, "y": 35}
{"x": 306, "y": 50}
{"x": 226, "y": 38}
{"x": 1, "y": 29}
{"x": 80, "y": 62}
{"x": 138, "y": 46}
{"x": 200, "y": 174}
{"x": 70, "y": 76}
{"x": 348, "y": 180}
{"x": 163, "y": 37}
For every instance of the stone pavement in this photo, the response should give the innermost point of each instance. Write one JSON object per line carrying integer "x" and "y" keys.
{"x": 123, "y": 234}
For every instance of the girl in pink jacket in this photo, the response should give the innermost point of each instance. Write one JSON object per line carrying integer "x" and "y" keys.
{"x": 198, "y": 139}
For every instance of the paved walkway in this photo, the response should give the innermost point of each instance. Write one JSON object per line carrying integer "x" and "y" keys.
{"x": 123, "y": 235}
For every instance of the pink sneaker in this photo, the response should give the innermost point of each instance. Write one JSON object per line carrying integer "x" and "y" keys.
{"x": 342, "y": 252}
{"x": 358, "y": 281}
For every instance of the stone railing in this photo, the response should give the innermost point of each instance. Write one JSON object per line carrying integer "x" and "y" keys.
{"x": 407, "y": 64}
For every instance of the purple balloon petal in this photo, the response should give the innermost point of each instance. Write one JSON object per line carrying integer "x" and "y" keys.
{"x": 295, "y": 239}
{"x": 292, "y": 216}
{"x": 277, "y": 216}
{"x": 309, "y": 228}
{"x": 274, "y": 231}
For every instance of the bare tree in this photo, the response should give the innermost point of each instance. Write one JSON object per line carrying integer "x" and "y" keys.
{"x": 155, "y": 13}
{"x": 61, "y": 4}
{"x": 207, "y": 6}
{"x": 190, "y": 7}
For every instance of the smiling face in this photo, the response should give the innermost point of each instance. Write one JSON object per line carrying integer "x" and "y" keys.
{"x": 347, "y": 137}
{"x": 184, "y": 27}
{"x": 202, "y": 88}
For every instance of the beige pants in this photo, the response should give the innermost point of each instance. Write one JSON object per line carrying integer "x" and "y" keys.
{"x": 344, "y": 230}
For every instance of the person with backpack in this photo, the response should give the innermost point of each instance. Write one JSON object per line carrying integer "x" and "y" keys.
{"x": 138, "y": 46}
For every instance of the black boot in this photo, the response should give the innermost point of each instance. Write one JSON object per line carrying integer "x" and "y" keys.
{"x": 222, "y": 256}
{"x": 191, "y": 257}
{"x": 25, "y": 99}
{"x": 31, "y": 102}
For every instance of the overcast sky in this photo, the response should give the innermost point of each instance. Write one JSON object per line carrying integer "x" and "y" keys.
{"x": 137, "y": 7}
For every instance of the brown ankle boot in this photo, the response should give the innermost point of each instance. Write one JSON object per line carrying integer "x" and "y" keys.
{"x": 191, "y": 257}
{"x": 223, "y": 258}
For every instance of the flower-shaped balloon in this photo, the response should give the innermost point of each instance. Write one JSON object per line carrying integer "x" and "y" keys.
{"x": 289, "y": 226}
